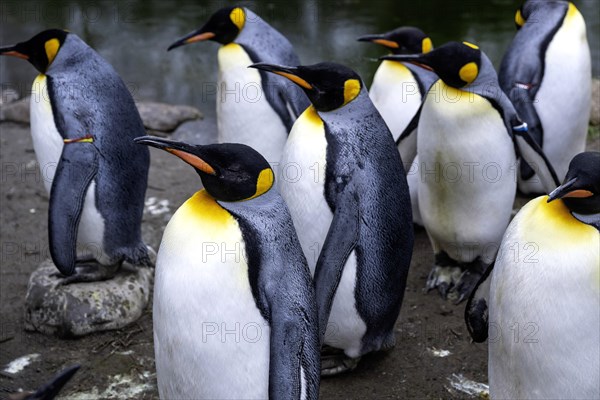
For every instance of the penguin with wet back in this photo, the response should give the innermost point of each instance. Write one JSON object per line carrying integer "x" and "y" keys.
{"x": 83, "y": 122}
{"x": 348, "y": 197}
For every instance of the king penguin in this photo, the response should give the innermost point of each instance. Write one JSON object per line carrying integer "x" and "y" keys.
{"x": 468, "y": 132}
{"x": 83, "y": 122}
{"x": 345, "y": 185}
{"x": 397, "y": 91}
{"x": 234, "y": 308}
{"x": 253, "y": 108}
{"x": 547, "y": 73}
{"x": 544, "y": 295}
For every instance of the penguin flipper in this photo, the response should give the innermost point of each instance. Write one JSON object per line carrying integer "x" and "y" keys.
{"x": 51, "y": 389}
{"x": 533, "y": 154}
{"x": 287, "y": 357}
{"x": 341, "y": 239}
{"x": 476, "y": 311}
{"x": 411, "y": 127}
{"x": 77, "y": 167}
{"x": 523, "y": 101}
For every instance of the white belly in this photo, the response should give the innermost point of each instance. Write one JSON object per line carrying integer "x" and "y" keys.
{"x": 48, "y": 145}
{"x": 244, "y": 114}
{"x": 467, "y": 166}
{"x": 396, "y": 95}
{"x": 564, "y": 99}
{"x": 545, "y": 309}
{"x": 211, "y": 341}
{"x": 301, "y": 184}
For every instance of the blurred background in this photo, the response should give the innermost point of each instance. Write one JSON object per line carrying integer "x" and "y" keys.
{"x": 133, "y": 35}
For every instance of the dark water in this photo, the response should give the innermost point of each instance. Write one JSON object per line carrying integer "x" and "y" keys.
{"x": 133, "y": 35}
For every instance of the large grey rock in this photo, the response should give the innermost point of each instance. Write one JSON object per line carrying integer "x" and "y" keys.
{"x": 595, "y": 115}
{"x": 165, "y": 117}
{"x": 78, "y": 309}
{"x": 17, "y": 111}
{"x": 8, "y": 95}
{"x": 196, "y": 132}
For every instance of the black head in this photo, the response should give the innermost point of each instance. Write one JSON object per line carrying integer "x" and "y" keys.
{"x": 223, "y": 27}
{"x": 457, "y": 64}
{"x": 404, "y": 40}
{"x": 327, "y": 85}
{"x": 580, "y": 190}
{"x": 40, "y": 50}
{"x": 229, "y": 171}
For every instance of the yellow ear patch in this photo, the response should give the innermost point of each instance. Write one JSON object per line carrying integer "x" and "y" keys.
{"x": 264, "y": 182}
{"x": 469, "y": 72}
{"x": 351, "y": 90}
{"x": 51, "y": 47}
{"x": 471, "y": 45}
{"x": 296, "y": 79}
{"x": 238, "y": 17}
{"x": 519, "y": 20}
{"x": 426, "y": 45}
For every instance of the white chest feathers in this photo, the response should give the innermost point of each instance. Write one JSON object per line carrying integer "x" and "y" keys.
{"x": 210, "y": 339}
{"x": 467, "y": 173}
{"x": 545, "y": 307}
{"x": 244, "y": 114}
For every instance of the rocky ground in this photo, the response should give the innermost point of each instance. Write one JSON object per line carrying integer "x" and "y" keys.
{"x": 433, "y": 358}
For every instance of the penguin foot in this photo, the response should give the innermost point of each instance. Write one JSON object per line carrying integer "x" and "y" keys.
{"x": 90, "y": 272}
{"x": 444, "y": 279}
{"x": 464, "y": 286}
{"x": 334, "y": 361}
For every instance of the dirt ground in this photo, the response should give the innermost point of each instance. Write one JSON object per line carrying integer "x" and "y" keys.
{"x": 120, "y": 364}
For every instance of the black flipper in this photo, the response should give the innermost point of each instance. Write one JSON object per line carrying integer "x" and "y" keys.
{"x": 476, "y": 311}
{"x": 523, "y": 101}
{"x": 51, "y": 389}
{"x": 286, "y": 356}
{"x": 532, "y": 153}
{"x": 412, "y": 125}
{"x": 341, "y": 239}
{"x": 77, "y": 167}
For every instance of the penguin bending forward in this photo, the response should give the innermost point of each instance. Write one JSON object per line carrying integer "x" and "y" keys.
{"x": 253, "y": 108}
{"x": 544, "y": 298}
{"x": 234, "y": 308}
{"x": 468, "y": 136}
{"x": 547, "y": 74}
{"x": 83, "y": 122}
{"x": 397, "y": 92}
{"x": 343, "y": 180}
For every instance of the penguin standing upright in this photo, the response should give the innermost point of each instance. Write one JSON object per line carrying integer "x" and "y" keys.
{"x": 345, "y": 185}
{"x": 544, "y": 295}
{"x": 83, "y": 121}
{"x": 253, "y": 108}
{"x": 466, "y": 139}
{"x": 397, "y": 92}
{"x": 547, "y": 74}
{"x": 234, "y": 308}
